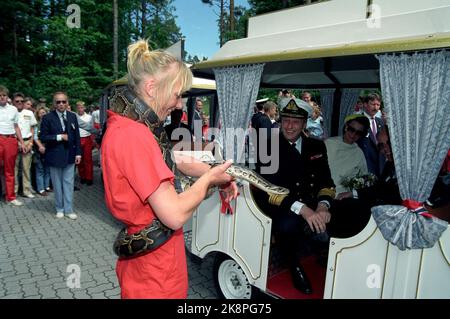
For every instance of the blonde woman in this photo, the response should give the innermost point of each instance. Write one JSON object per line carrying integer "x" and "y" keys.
{"x": 139, "y": 179}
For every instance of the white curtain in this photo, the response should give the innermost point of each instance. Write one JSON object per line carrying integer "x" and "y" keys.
{"x": 347, "y": 107}
{"x": 237, "y": 89}
{"x": 416, "y": 94}
{"x": 326, "y": 103}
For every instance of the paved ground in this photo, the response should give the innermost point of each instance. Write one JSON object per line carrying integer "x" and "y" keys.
{"x": 39, "y": 254}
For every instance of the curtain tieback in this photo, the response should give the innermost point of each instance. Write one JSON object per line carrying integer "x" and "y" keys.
{"x": 225, "y": 207}
{"x": 416, "y": 207}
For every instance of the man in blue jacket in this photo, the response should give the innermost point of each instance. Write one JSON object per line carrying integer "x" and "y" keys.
{"x": 61, "y": 135}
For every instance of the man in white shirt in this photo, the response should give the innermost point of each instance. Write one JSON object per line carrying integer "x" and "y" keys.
{"x": 9, "y": 134}
{"x": 86, "y": 167}
{"x": 27, "y": 122}
{"x": 96, "y": 118}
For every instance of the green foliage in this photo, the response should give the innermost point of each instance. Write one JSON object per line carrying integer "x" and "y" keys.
{"x": 192, "y": 59}
{"x": 271, "y": 94}
{"x": 241, "y": 16}
{"x": 40, "y": 54}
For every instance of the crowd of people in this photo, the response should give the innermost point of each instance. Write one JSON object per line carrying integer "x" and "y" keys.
{"x": 40, "y": 146}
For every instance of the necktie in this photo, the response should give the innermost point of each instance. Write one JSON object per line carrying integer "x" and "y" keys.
{"x": 65, "y": 122}
{"x": 374, "y": 129}
{"x": 294, "y": 145}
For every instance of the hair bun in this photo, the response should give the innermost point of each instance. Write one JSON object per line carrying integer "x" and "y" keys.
{"x": 139, "y": 49}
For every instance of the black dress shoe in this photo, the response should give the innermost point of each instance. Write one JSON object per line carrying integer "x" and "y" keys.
{"x": 301, "y": 282}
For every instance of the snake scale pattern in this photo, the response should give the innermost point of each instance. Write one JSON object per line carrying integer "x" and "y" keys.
{"x": 276, "y": 193}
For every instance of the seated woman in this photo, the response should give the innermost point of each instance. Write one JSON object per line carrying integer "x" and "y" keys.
{"x": 346, "y": 160}
{"x": 385, "y": 190}
{"x": 345, "y": 157}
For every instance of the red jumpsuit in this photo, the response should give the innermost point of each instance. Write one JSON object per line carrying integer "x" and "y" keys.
{"x": 133, "y": 168}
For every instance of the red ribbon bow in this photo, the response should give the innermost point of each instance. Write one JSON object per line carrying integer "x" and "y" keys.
{"x": 416, "y": 207}
{"x": 225, "y": 207}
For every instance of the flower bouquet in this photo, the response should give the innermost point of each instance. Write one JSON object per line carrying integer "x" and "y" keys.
{"x": 359, "y": 181}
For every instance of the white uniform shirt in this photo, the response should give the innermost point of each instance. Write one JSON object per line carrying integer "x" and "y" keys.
{"x": 298, "y": 144}
{"x": 26, "y": 121}
{"x": 87, "y": 119}
{"x": 96, "y": 116}
{"x": 8, "y": 117}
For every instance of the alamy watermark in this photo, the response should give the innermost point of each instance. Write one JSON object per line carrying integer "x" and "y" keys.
{"x": 374, "y": 279}
{"x": 74, "y": 18}
{"x": 74, "y": 279}
{"x": 235, "y": 143}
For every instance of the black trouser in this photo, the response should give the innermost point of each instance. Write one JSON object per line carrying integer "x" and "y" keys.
{"x": 291, "y": 232}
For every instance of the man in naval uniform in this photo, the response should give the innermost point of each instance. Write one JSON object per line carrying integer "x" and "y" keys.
{"x": 303, "y": 169}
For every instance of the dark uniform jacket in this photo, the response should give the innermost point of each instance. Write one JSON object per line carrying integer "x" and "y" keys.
{"x": 306, "y": 175}
{"x": 255, "y": 118}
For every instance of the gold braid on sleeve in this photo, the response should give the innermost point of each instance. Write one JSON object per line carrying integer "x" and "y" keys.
{"x": 276, "y": 199}
{"x": 331, "y": 191}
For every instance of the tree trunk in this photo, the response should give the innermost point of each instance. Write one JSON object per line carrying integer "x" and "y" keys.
{"x": 115, "y": 39}
{"x": 138, "y": 32}
{"x": 231, "y": 15}
{"x": 221, "y": 22}
{"x": 143, "y": 17}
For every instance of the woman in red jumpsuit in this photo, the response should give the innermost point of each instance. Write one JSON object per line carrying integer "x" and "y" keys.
{"x": 139, "y": 185}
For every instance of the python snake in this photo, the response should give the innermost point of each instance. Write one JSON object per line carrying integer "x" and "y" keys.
{"x": 276, "y": 193}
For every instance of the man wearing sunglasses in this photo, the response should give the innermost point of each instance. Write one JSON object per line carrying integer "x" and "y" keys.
{"x": 61, "y": 135}
{"x": 9, "y": 134}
